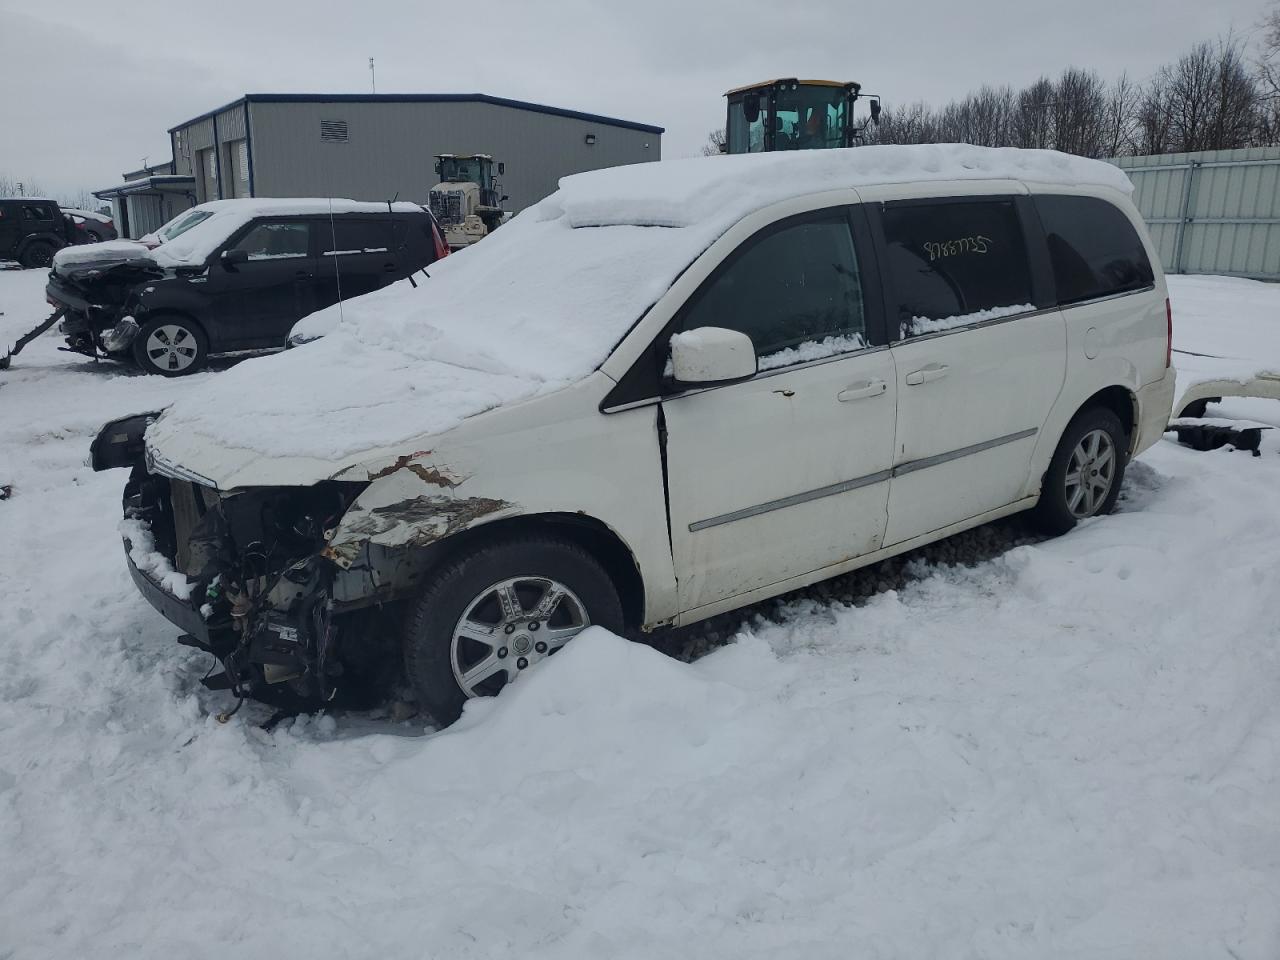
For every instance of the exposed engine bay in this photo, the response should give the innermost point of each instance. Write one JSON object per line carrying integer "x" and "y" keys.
{"x": 95, "y": 298}
{"x": 287, "y": 625}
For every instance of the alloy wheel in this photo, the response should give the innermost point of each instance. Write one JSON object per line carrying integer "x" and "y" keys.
{"x": 1091, "y": 471}
{"x": 509, "y": 627}
{"x": 171, "y": 347}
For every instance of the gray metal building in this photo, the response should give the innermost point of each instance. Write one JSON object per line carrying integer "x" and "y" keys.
{"x": 378, "y": 146}
{"x": 1217, "y": 211}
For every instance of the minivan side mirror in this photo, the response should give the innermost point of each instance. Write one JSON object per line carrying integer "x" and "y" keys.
{"x": 232, "y": 258}
{"x": 711, "y": 355}
{"x": 875, "y": 112}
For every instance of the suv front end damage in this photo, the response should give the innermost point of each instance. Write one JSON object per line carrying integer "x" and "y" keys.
{"x": 97, "y": 300}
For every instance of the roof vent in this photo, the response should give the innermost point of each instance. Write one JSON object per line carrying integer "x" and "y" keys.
{"x": 333, "y": 131}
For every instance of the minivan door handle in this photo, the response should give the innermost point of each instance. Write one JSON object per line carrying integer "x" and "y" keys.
{"x": 862, "y": 390}
{"x": 927, "y": 374}
{"x": 303, "y": 274}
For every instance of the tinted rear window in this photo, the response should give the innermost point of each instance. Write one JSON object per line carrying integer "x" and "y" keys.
{"x": 955, "y": 262}
{"x": 1093, "y": 247}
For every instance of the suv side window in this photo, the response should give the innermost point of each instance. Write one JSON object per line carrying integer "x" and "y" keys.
{"x": 794, "y": 289}
{"x": 277, "y": 241}
{"x": 355, "y": 236}
{"x": 36, "y": 211}
{"x": 956, "y": 262}
{"x": 1093, "y": 247}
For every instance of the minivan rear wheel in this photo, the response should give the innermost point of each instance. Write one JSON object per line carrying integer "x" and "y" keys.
{"x": 1084, "y": 476}
{"x": 171, "y": 346}
{"x": 497, "y": 610}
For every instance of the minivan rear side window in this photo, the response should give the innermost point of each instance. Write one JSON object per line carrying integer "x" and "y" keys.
{"x": 956, "y": 261}
{"x": 1093, "y": 247}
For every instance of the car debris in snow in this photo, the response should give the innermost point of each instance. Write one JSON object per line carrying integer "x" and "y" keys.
{"x": 1212, "y": 433}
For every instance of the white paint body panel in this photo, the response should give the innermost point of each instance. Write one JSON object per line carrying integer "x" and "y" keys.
{"x": 775, "y": 437}
{"x": 783, "y": 433}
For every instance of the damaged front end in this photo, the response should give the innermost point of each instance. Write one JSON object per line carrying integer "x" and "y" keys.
{"x": 241, "y": 573}
{"x": 96, "y": 301}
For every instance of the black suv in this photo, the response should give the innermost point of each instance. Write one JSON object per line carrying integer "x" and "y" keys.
{"x": 245, "y": 278}
{"x": 32, "y": 229}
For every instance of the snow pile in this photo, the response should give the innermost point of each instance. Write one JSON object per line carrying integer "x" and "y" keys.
{"x": 918, "y": 326}
{"x": 1069, "y": 751}
{"x": 536, "y": 306}
{"x": 106, "y": 251}
{"x": 145, "y": 556}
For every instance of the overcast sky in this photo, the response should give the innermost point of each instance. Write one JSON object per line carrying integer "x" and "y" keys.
{"x": 88, "y": 88}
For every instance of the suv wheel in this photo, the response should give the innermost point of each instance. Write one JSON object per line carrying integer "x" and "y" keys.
{"x": 171, "y": 346}
{"x": 38, "y": 254}
{"x": 1084, "y": 476}
{"x": 495, "y": 611}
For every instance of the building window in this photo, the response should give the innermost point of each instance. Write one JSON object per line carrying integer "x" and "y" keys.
{"x": 333, "y": 131}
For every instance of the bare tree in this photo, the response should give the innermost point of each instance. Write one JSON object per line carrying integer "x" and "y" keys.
{"x": 1032, "y": 121}
{"x": 1120, "y": 117}
{"x": 715, "y": 144}
{"x": 1207, "y": 100}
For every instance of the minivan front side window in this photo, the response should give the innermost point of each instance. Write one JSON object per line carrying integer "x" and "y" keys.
{"x": 956, "y": 262}
{"x": 1093, "y": 247}
{"x": 796, "y": 291}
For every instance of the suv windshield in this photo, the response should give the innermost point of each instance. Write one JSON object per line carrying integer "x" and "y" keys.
{"x": 181, "y": 224}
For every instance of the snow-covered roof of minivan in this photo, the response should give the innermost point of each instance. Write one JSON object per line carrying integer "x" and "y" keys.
{"x": 682, "y": 193}
{"x": 196, "y": 245}
{"x": 536, "y": 306}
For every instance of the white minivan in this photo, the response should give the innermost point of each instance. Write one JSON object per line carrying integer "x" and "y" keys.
{"x": 666, "y": 391}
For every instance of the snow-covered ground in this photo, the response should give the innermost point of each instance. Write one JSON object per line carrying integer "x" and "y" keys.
{"x": 1070, "y": 751}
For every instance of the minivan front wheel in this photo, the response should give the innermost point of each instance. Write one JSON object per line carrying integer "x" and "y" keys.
{"x": 171, "y": 346}
{"x": 1084, "y": 476}
{"x": 497, "y": 610}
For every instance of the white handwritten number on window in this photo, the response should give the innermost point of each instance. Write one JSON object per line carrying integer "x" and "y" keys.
{"x": 953, "y": 248}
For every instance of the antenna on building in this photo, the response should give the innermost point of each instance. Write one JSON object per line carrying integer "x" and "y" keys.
{"x": 373, "y": 77}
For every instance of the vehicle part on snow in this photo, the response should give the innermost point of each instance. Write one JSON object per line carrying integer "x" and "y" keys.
{"x": 1213, "y": 433}
{"x": 27, "y": 338}
{"x": 496, "y": 610}
{"x": 1265, "y": 384}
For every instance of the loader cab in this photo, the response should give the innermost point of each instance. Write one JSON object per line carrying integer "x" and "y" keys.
{"x": 794, "y": 114}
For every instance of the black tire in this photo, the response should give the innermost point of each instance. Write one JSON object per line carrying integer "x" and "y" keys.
{"x": 452, "y": 589}
{"x": 1053, "y": 514}
{"x": 1198, "y": 408}
{"x": 166, "y": 364}
{"x": 38, "y": 254}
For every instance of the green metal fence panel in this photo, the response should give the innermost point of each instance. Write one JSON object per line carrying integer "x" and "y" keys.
{"x": 1217, "y": 211}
